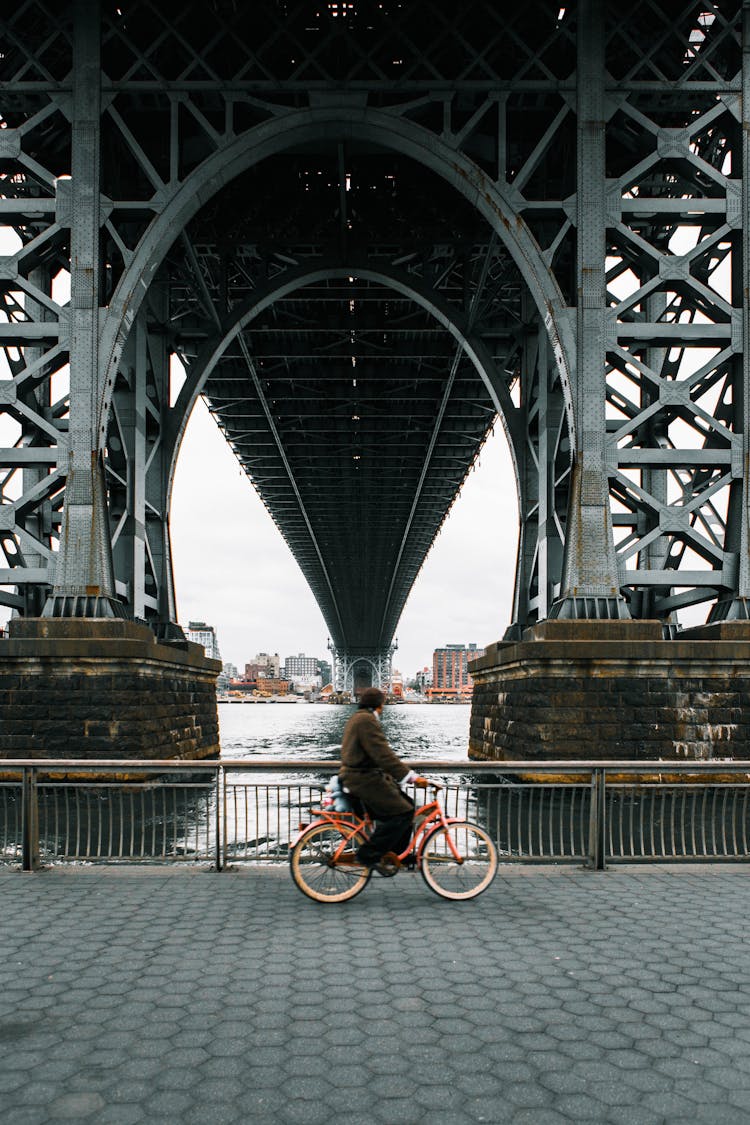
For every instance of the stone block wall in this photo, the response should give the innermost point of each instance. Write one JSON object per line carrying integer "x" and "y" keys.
{"x": 609, "y": 690}
{"x": 85, "y": 688}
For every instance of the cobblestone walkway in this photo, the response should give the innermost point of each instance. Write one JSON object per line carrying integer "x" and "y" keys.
{"x": 182, "y": 996}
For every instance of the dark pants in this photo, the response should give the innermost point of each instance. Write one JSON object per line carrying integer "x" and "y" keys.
{"x": 391, "y": 834}
{"x": 391, "y": 809}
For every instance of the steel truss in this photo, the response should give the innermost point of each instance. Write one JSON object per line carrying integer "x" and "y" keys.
{"x": 375, "y": 668}
{"x": 539, "y": 215}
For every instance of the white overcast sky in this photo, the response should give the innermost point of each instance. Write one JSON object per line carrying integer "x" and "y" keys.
{"x": 234, "y": 570}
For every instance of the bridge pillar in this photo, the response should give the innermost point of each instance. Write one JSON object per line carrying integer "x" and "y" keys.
{"x": 590, "y": 585}
{"x": 613, "y": 690}
{"x": 84, "y": 580}
{"x": 74, "y": 688}
{"x": 736, "y": 607}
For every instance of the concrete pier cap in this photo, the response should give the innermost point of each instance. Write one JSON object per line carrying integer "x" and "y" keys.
{"x": 614, "y": 690}
{"x": 104, "y": 688}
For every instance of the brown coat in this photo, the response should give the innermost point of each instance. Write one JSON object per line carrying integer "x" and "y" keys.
{"x": 370, "y": 769}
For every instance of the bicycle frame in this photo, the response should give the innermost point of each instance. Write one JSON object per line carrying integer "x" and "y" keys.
{"x": 351, "y": 825}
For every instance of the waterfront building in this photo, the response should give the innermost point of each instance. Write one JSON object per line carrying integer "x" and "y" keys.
{"x": 202, "y": 634}
{"x": 306, "y": 683}
{"x": 272, "y": 685}
{"x": 301, "y": 665}
{"x": 423, "y": 679}
{"x": 230, "y": 670}
{"x": 269, "y": 663}
{"x": 303, "y": 672}
{"x": 265, "y": 686}
{"x": 450, "y": 675}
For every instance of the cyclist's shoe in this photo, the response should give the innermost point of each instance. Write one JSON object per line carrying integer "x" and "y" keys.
{"x": 349, "y": 859}
{"x": 387, "y": 865}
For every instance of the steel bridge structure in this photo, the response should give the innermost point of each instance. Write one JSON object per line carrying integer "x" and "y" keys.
{"x": 368, "y": 232}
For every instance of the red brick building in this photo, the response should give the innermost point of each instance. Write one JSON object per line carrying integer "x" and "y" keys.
{"x": 450, "y": 676}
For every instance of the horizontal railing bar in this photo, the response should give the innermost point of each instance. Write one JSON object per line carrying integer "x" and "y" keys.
{"x": 165, "y": 809}
{"x": 104, "y": 783}
{"x": 294, "y": 765}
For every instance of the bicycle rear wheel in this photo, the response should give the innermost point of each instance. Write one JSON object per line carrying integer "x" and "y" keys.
{"x": 314, "y": 870}
{"x": 467, "y": 876}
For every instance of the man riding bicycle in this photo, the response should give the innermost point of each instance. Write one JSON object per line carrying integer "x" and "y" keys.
{"x": 372, "y": 772}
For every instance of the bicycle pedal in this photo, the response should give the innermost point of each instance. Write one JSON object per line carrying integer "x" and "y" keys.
{"x": 387, "y": 866}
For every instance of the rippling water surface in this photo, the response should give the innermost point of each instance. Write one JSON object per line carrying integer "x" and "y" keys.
{"x": 261, "y": 820}
{"x": 310, "y": 731}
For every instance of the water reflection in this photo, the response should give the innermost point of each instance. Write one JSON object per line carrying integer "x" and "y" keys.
{"x": 313, "y": 731}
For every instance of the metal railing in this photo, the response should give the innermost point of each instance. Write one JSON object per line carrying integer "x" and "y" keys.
{"x": 224, "y": 812}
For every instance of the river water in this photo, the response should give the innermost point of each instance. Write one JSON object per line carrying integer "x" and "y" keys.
{"x": 263, "y": 808}
{"x": 310, "y": 731}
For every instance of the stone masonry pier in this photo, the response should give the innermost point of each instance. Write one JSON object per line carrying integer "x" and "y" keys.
{"x": 604, "y": 690}
{"x": 88, "y": 688}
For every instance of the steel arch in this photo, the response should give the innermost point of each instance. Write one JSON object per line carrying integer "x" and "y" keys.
{"x": 294, "y": 279}
{"x": 314, "y": 124}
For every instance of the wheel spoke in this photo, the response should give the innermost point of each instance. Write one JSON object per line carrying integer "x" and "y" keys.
{"x": 316, "y": 871}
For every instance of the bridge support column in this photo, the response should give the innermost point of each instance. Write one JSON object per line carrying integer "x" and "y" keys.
{"x": 104, "y": 689}
{"x": 611, "y": 689}
{"x": 84, "y": 580}
{"x": 590, "y": 586}
{"x": 737, "y": 606}
{"x": 542, "y": 483}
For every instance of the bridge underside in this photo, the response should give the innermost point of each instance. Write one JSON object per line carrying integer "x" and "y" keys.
{"x": 354, "y": 411}
{"x": 370, "y": 231}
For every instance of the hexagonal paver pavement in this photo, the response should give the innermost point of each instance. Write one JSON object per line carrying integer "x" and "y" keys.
{"x": 152, "y": 996}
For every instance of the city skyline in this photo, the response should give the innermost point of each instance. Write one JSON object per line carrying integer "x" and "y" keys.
{"x": 463, "y": 593}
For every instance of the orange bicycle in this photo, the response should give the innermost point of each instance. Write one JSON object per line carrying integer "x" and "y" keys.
{"x": 457, "y": 859}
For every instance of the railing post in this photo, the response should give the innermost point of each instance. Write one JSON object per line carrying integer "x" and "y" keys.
{"x": 597, "y": 821}
{"x": 221, "y": 816}
{"x": 30, "y": 820}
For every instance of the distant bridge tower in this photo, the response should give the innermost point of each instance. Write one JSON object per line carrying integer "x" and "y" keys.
{"x": 377, "y": 667}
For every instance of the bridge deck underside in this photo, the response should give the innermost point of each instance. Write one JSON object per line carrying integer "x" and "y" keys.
{"x": 334, "y": 421}
{"x": 355, "y": 413}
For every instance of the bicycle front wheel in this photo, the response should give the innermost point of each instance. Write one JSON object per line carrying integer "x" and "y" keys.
{"x": 317, "y": 874}
{"x": 462, "y": 870}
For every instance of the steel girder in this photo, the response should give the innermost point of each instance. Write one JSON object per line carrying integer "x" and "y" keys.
{"x": 603, "y": 154}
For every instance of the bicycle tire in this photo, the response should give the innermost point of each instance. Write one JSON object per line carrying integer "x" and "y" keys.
{"x": 314, "y": 873}
{"x": 453, "y": 880}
